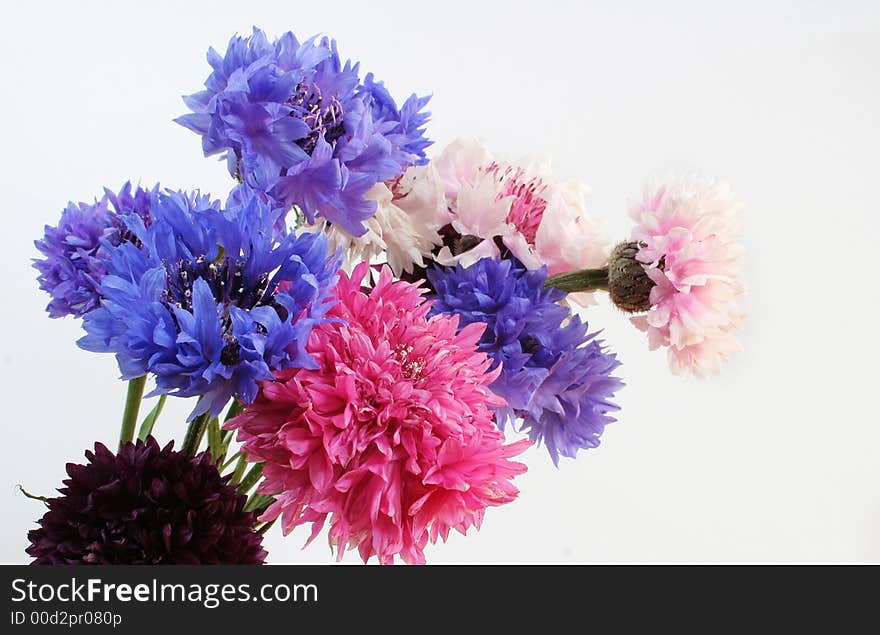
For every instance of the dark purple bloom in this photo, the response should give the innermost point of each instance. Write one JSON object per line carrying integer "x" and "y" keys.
{"x": 292, "y": 120}
{"x": 146, "y": 505}
{"x": 74, "y": 251}
{"x": 211, "y": 301}
{"x": 554, "y": 375}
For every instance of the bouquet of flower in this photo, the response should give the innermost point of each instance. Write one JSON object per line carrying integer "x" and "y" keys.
{"x": 369, "y": 337}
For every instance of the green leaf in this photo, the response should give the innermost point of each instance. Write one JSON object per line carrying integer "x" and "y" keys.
{"x": 258, "y": 502}
{"x": 239, "y": 470}
{"x": 234, "y": 408}
{"x": 251, "y": 478}
{"x": 33, "y": 496}
{"x": 262, "y": 529}
{"x": 214, "y": 443}
{"x": 231, "y": 460}
{"x": 149, "y": 421}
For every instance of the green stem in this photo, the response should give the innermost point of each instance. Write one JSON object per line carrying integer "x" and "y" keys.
{"x": 583, "y": 280}
{"x": 194, "y": 434}
{"x": 149, "y": 421}
{"x": 299, "y": 218}
{"x": 226, "y": 435}
{"x": 132, "y": 406}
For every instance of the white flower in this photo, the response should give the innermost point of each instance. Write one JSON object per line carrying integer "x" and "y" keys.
{"x": 403, "y": 229}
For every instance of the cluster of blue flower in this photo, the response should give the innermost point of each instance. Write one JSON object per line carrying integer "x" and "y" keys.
{"x": 212, "y": 298}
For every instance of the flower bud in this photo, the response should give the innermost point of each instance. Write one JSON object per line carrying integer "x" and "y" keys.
{"x": 628, "y": 284}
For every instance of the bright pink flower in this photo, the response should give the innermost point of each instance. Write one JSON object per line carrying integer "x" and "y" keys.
{"x": 687, "y": 230}
{"x": 391, "y": 439}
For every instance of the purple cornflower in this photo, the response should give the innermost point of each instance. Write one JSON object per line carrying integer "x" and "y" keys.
{"x": 292, "y": 120}
{"x": 555, "y": 376}
{"x": 75, "y": 251}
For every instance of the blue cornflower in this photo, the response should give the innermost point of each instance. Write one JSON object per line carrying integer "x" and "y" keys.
{"x": 404, "y": 128}
{"x": 294, "y": 121}
{"x": 555, "y": 376}
{"x": 210, "y": 301}
{"x": 74, "y": 254}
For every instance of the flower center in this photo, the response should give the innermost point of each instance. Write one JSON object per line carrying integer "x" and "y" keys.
{"x": 412, "y": 366}
{"x": 231, "y": 353}
{"x": 529, "y": 345}
{"x": 527, "y": 208}
{"x": 226, "y": 279}
{"x": 322, "y": 114}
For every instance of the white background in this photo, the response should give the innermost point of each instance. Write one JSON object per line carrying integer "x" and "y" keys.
{"x": 776, "y": 460}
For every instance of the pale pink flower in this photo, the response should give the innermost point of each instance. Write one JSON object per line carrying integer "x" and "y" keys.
{"x": 687, "y": 230}
{"x": 478, "y": 212}
{"x": 391, "y": 438}
{"x": 460, "y": 165}
{"x": 537, "y": 218}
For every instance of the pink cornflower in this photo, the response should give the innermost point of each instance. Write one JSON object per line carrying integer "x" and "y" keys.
{"x": 497, "y": 208}
{"x": 390, "y": 439}
{"x": 687, "y": 235}
{"x": 528, "y": 198}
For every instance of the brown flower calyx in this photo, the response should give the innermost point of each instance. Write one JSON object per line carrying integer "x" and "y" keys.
{"x": 628, "y": 284}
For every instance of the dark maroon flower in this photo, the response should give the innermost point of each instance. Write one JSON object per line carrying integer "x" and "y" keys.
{"x": 146, "y": 505}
